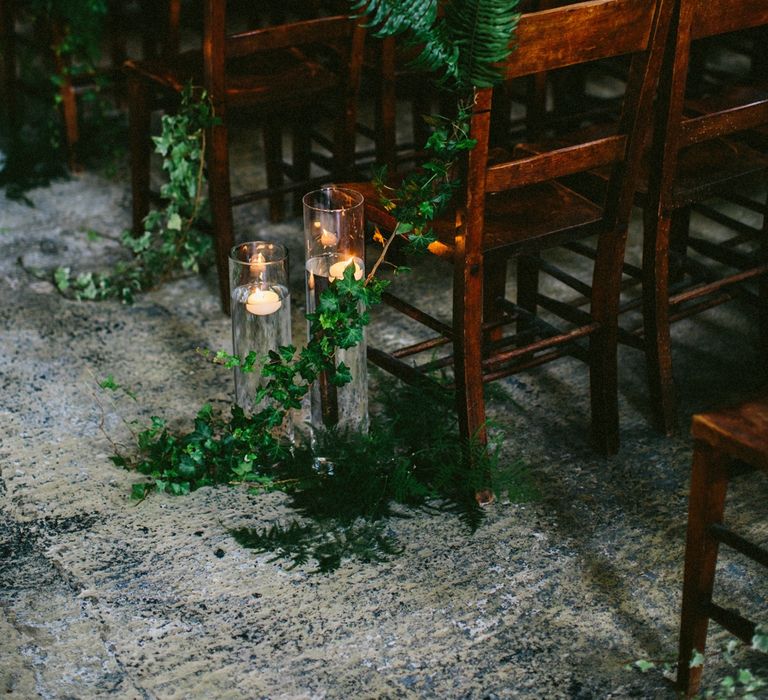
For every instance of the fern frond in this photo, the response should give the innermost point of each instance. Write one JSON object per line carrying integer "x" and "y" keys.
{"x": 482, "y": 31}
{"x": 392, "y": 17}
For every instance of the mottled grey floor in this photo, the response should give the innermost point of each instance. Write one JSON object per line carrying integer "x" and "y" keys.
{"x": 101, "y": 597}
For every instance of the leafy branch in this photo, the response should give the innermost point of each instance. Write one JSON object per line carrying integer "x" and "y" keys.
{"x": 462, "y": 46}
{"x": 173, "y": 241}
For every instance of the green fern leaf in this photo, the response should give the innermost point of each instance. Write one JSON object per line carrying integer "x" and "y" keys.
{"x": 482, "y": 30}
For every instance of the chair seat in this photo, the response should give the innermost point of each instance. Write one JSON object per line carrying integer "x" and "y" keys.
{"x": 257, "y": 80}
{"x": 517, "y": 221}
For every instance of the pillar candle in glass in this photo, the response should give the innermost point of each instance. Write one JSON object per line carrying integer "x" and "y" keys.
{"x": 261, "y": 310}
{"x": 333, "y": 236}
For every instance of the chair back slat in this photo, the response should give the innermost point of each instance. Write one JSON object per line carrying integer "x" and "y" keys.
{"x": 594, "y": 30}
{"x": 728, "y": 121}
{"x": 712, "y": 17}
{"x": 315, "y": 31}
{"x": 558, "y": 163}
{"x": 570, "y": 35}
{"x": 673, "y": 130}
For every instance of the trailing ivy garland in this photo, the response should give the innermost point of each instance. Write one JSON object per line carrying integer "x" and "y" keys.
{"x": 173, "y": 241}
{"x": 461, "y": 47}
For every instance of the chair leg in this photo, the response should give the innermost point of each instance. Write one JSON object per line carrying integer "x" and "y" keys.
{"x": 221, "y": 207}
{"x": 494, "y": 287}
{"x": 68, "y": 101}
{"x": 8, "y": 83}
{"x": 603, "y": 361}
{"x": 658, "y": 355}
{"x": 302, "y": 159}
{"x": 527, "y": 289}
{"x": 678, "y": 242}
{"x": 385, "y": 118}
{"x": 141, "y": 150}
{"x": 273, "y": 155}
{"x": 763, "y": 284}
{"x": 709, "y": 483}
{"x": 467, "y": 345}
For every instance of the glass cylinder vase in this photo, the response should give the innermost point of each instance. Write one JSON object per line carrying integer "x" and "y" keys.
{"x": 333, "y": 236}
{"x": 261, "y": 313}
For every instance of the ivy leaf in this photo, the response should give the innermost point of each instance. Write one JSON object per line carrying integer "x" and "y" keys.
{"x": 174, "y": 222}
{"x": 61, "y": 278}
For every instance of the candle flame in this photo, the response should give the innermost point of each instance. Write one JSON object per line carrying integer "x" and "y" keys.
{"x": 328, "y": 238}
{"x": 257, "y": 263}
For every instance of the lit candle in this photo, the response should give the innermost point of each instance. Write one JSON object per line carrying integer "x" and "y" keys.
{"x": 328, "y": 238}
{"x": 336, "y": 271}
{"x": 262, "y": 302}
{"x": 257, "y": 264}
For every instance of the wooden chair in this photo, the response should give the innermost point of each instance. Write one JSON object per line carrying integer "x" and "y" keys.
{"x": 275, "y": 75}
{"x": 48, "y": 31}
{"x": 517, "y": 206}
{"x": 693, "y": 158}
{"x": 726, "y": 442}
{"x": 700, "y": 148}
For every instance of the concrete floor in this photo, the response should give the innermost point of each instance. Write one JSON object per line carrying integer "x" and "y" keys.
{"x": 101, "y": 597}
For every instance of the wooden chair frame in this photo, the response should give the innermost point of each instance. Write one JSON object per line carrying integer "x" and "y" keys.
{"x": 272, "y": 109}
{"x": 727, "y": 442}
{"x": 668, "y": 202}
{"x": 594, "y": 29}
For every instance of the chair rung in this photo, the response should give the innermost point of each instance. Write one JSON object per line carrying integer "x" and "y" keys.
{"x": 718, "y": 285}
{"x": 416, "y": 348}
{"x": 732, "y": 621}
{"x": 553, "y": 341}
{"x": 568, "y": 280}
{"x": 527, "y": 364}
{"x": 285, "y": 188}
{"x": 746, "y": 202}
{"x": 588, "y": 252}
{"x": 721, "y": 253}
{"x": 633, "y": 338}
{"x": 569, "y": 313}
{"x": 406, "y": 372}
{"x": 703, "y": 305}
{"x": 417, "y": 315}
{"x": 723, "y": 534}
{"x": 726, "y": 220}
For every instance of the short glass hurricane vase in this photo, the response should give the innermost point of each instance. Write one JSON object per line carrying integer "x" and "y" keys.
{"x": 261, "y": 312}
{"x": 334, "y": 240}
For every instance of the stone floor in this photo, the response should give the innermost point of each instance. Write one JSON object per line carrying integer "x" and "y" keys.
{"x": 101, "y": 597}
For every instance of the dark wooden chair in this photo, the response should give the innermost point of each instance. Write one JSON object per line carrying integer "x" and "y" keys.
{"x": 692, "y": 158}
{"x": 293, "y": 74}
{"x": 155, "y": 23}
{"x": 517, "y": 206}
{"x": 700, "y": 148}
{"x": 726, "y": 442}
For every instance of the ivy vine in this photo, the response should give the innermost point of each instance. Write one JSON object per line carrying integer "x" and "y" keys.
{"x": 174, "y": 240}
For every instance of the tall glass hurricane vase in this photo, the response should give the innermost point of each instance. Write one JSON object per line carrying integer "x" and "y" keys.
{"x": 261, "y": 311}
{"x": 333, "y": 236}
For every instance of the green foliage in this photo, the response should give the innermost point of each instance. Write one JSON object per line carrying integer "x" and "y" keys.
{"x": 743, "y": 683}
{"x": 426, "y": 192}
{"x": 34, "y": 152}
{"x": 461, "y": 46}
{"x": 173, "y": 241}
{"x": 481, "y": 30}
{"x": 343, "y": 498}
{"x": 81, "y": 23}
{"x": 218, "y": 450}
{"x": 241, "y": 448}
